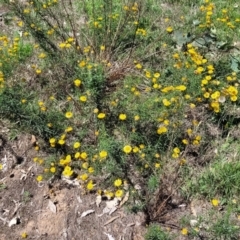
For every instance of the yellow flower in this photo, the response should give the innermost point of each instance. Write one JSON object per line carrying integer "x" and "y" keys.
{"x": 157, "y": 165}
{"x": 1, "y": 166}
{"x": 83, "y": 155}
{"x": 103, "y": 154}
{"x": 215, "y": 106}
{"x": 175, "y": 155}
{"x": 83, "y": 98}
{"x": 23, "y": 100}
{"x": 67, "y": 172}
{"x": 185, "y": 141}
{"x": 61, "y": 141}
{"x": 156, "y": 75}
{"x": 215, "y": 95}
{"x": 77, "y": 155}
{"x": 90, "y": 169}
{"x": 142, "y": 146}
{"x": 90, "y": 185}
{"x": 233, "y": 98}
{"x": 215, "y": 202}
{"x": 77, "y": 82}
{"x": 68, "y": 129}
{"x": 70, "y": 40}
{"x": 136, "y": 149}
{"x": 184, "y": 231}
{"x": 127, "y": 149}
{"x": 42, "y": 55}
{"x": 166, "y": 102}
{"x": 76, "y": 145}
{"x": 84, "y": 176}
{"x": 39, "y": 178}
{"x": 162, "y": 129}
{"x": 52, "y": 169}
{"x": 82, "y": 64}
{"x": 176, "y": 150}
{"x": 119, "y": 193}
{"x": 108, "y": 194}
{"x": 198, "y": 137}
{"x": 169, "y": 29}
{"x": 182, "y": 161}
{"x": 206, "y": 94}
{"x": 52, "y": 140}
{"x": 24, "y": 235}
{"x": 68, "y": 114}
{"x": 136, "y": 118}
{"x": 101, "y": 115}
{"x": 118, "y": 182}
{"x": 148, "y": 74}
{"x": 122, "y": 116}
{"x": 138, "y": 66}
{"x": 38, "y": 71}
{"x": 181, "y": 88}
{"x": 102, "y": 48}
{"x": 95, "y": 110}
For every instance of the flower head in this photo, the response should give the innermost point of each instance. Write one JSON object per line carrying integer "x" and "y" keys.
{"x": 39, "y": 178}
{"x": 169, "y": 29}
{"x": 68, "y": 114}
{"x": 90, "y": 185}
{"x": 103, "y": 154}
{"x": 119, "y": 193}
{"x": 215, "y": 202}
{"x": 127, "y": 149}
{"x": 118, "y": 182}
{"x": 122, "y": 116}
{"x": 67, "y": 172}
{"x": 83, "y": 98}
{"x": 101, "y": 115}
{"x": 162, "y": 130}
{"x": 76, "y": 145}
{"x": 184, "y": 231}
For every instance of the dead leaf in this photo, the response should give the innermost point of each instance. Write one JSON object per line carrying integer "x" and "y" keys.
{"x": 112, "y": 210}
{"x": 73, "y": 182}
{"x": 3, "y": 219}
{"x": 98, "y": 200}
{"x": 17, "y": 206}
{"x": 14, "y": 221}
{"x": 194, "y": 212}
{"x": 110, "y": 237}
{"x": 111, "y": 206}
{"x": 87, "y": 213}
{"x": 131, "y": 224}
{"x": 33, "y": 140}
{"x": 111, "y": 220}
{"x": 52, "y": 206}
{"x": 79, "y": 199}
{"x": 124, "y": 199}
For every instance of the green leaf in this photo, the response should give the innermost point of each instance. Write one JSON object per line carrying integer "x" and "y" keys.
{"x": 181, "y": 38}
{"x": 196, "y": 22}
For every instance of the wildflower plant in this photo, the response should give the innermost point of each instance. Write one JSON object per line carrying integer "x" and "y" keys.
{"x": 122, "y": 89}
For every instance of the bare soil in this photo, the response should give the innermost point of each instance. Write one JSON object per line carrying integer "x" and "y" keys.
{"x": 53, "y": 210}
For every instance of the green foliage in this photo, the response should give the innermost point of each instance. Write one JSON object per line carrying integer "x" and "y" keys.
{"x": 156, "y": 233}
{"x": 153, "y": 183}
{"x": 26, "y": 114}
{"x": 222, "y": 179}
{"x": 126, "y": 91}
{"x": 224, "y": 228}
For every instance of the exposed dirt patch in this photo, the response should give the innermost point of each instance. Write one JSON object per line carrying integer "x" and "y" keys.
{"x": 32, "y": 204}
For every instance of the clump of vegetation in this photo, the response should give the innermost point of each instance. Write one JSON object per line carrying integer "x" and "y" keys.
{"x": 123, "y": 94}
